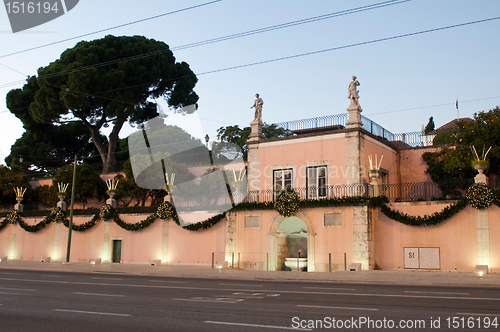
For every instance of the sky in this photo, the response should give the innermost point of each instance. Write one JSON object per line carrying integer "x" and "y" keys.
{"x": 403, "y": 81}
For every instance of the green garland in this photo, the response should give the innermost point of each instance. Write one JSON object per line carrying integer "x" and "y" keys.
{"x": 480, "y": 196}
{"x": 287, "y": 203}
{"x": 427, "y": 220}
{"x": 166, "y": 210}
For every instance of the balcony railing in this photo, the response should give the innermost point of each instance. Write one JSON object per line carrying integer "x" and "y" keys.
{"x": 404, "y": 192}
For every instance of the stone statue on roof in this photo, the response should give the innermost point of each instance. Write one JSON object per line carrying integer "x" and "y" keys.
{"x": 258, "y": 108}
{"x": 353, "y": 92}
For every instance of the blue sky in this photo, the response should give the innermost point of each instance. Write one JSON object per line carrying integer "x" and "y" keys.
{"x": 401, "y": 80}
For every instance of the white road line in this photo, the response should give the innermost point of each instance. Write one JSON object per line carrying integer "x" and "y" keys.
{"x": 255, "y": 325}
{"x": 170, "y": 281}
{"x": 255, "y": 290}
{"x": 7, "y": 293}
{"x": 202, "y": 300}
{"x": 53, "y": 275}
{"x": 19, "y": 289}
{"x": 422, "y": 292}
{"x": 97, "y": 294}
{"x": 469, "y": 314}
{"x": 325, "y": 307}
{"x": 241, "y": 285}
{"x": 351, "y": 289}
{"x": 92, "y": 312}
{"x": 96, "y": 278}
{"x": 11, "y": 273}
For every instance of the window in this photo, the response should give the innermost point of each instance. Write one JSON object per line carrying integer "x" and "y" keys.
{"x": 316, "y": 182}
{"x": 282, "y": 180}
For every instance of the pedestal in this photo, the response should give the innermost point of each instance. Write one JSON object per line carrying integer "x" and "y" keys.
{"x": 354, "y": 120}
{"x": 19, "y": 207}
{"x": 256, "y": 133}
{"x": 111, "y": 201}
{"x": 62, "y": 204}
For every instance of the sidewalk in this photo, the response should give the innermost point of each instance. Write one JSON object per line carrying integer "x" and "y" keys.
{"x": 402, "y": 277}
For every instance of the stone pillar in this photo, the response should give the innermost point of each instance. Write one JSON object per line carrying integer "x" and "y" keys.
{"x": 483, "y": 238}
{"x": 311, "y": 266}
{"x": 164, "y": 242}
{"x": 354, "y": 162}
{"x": 106, "y": 256}
{"x": 354, "y": 120}
{"x": 363, "y": 237}
{"x": 253, "y": 171}
{"x": 230, "y": 245}
{"x": 12, "y": 254}
{"x": 256, "y": 133}
{"x": 483, "y": 227}
{"x": 55, "y": 255}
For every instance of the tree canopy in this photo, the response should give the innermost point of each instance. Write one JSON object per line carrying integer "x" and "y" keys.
{"x": 105, "y": 82}
{"x": 454, "y": 161}
{"x": 239, "y": 137}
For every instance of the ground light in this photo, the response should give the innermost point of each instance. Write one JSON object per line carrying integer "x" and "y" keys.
{"x": 481, "y": 269}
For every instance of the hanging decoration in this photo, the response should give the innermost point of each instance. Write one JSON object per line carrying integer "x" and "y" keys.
{"x": 480, "y": 196}
{"x": 287, "y": 202}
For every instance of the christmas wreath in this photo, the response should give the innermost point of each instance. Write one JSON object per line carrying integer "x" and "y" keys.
{"x": 165, "y": 211}
{"x": 287, "y": 202}
{"x": 480, "y": 196}
{"x": 57, "y": 215}
{"x": 107, "y": 212}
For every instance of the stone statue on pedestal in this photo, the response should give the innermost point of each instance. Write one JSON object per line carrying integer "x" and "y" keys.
{"x": 258, "y": 108}
{"x": 353, "y": 92}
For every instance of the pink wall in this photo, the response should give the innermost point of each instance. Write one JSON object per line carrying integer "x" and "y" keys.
{"x": 196, "y": 247}
{"x": 456, "y": 237}
{"x": 413, "y": 167}
{"x": 389, "y": 162}
{"x": 253, "y": 244}
{"x": 297, "y": 152}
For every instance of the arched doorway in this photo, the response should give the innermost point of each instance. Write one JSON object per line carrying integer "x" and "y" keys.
{"x": 289, "y": 235}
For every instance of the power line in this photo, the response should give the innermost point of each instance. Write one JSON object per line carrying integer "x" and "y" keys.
{"x": 107, "y": 29}
{"x": 431, "y": 106}
{"x": 350, "y": 45}
{"x": 12, "y": 69}
{"x": 233, "y": 36}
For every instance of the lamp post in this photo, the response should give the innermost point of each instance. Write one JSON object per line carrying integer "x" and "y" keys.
{"x": 207, "y": 138}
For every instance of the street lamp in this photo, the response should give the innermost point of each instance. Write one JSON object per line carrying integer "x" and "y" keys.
{"x": 207, "y": 138}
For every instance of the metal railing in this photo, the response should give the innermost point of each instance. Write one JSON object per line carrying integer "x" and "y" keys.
{"x": 335, "y": 121}
{"x": 402, "y": 192}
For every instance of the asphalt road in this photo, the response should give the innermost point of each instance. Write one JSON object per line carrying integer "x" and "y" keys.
{"x": 59, "y": 301}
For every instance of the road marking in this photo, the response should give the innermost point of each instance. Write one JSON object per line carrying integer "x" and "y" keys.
{"x": 53, "y": 275}
{"x": 255, "y": 325}
{"x": 468, "y": 314}
{"x": 254, "y": 290}
{"x": 97, "y": 294}
{"x": 19, "y": 289}
{"x": 97, "y": 278}
{"x": 170, "y": 281}
{"x": 351, "y": 289}
{"x": 219, "y": 300}
{"x": 325, "y": 307}
{"x": 11, "y": 273}
{"x": 241, "y": 285}
{"x": 420, "y": 292}
{"x": 92, "y": 312}
{"x": 7, "y": 293}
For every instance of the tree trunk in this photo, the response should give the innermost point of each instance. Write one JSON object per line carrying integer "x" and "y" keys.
{"x": 110, "y": 163}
